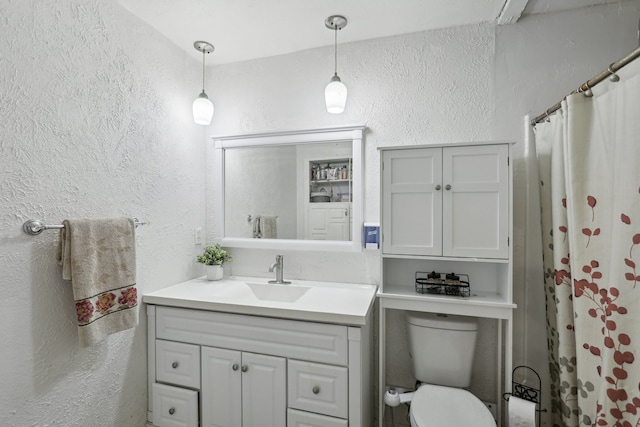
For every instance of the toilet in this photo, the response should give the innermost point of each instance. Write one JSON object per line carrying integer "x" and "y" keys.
{"x": 441, "y": 348}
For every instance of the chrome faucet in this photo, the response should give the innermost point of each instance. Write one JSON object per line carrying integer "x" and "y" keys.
{"x": 278, "y": 266}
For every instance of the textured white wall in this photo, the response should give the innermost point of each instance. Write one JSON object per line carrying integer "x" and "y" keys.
{"x": 94, "y": 121}
{"x": 461, "y": 84}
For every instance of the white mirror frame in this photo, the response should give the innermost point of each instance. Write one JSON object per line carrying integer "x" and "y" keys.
{"x": 310, "y": 136}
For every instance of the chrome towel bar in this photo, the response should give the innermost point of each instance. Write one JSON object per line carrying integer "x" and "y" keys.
{"x": 33, "y": 227}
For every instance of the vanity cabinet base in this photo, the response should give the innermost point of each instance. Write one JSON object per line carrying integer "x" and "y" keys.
{"x": 307, "y": 419}
{"x": 315, "y": 374}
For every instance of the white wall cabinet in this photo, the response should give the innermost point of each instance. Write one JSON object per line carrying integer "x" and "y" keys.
{"x": 446, "y": 201}
{"x": 448, "y": 209}
{"x": 252, "y": 371}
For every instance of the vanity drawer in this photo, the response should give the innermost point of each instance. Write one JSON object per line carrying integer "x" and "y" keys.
{"x": 308, "y": 419}
{"x": 178, "y": 363}
{"x": 318, "y": 388}
{"x": 174, "y": 407}
{"x": 316, "y": 342}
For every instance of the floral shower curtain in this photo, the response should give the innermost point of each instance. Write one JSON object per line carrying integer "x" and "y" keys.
{"x": 589, "y": 165}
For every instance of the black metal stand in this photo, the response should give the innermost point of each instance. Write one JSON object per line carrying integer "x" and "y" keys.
{"x": 525, "y": 392}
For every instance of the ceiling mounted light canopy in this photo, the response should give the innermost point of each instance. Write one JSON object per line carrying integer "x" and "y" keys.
{"x": 335, "y": 94}
{"x": 202, "y": 107}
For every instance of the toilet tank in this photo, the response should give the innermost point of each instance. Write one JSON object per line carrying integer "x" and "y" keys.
{"x": 441, "y": 347}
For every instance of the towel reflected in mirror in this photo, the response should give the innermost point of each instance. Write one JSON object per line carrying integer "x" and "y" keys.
{"x": 265, "y": 227}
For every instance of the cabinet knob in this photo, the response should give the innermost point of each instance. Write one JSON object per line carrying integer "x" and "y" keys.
{"x": 174, "y": 365}
{"x": 245, "y": 368}
{"x": 438, "y": 187}
{"x": 447, "y": 187}
{"x": 346, "y": 212}
{"x": 235, "y": 367}
{"x": 172, "y": 411}
{"x": 316, "y": 389}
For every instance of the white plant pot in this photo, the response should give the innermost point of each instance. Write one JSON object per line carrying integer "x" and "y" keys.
{"x": 214, "y": 272}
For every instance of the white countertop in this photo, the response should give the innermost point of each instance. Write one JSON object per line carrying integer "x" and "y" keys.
{"x": 327, "y": 302}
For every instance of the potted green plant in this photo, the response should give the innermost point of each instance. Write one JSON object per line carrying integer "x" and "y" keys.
{"x": 214, "y": 257}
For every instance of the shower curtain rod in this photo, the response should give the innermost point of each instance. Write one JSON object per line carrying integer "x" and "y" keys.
{"x": 591, "y": 83}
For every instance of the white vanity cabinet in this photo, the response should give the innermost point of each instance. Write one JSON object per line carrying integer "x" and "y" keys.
{"x": 447, "y": 209}
{"x": 446, "y": 201}
{"x": 255, "y": 371}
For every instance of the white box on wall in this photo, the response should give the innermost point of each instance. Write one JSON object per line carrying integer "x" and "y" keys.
{"x": 371, "y": 236}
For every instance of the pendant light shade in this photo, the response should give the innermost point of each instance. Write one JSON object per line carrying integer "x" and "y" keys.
{"x": 335, "y": 94}
{"x": 202, "y": 107}
{"x": 202, "y": 110}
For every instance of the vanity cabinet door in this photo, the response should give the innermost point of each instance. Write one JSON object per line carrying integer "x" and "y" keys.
{"x": 412, "y": 201}
{"x": 297, "y": 418}
{"x": 221, "y": 387}
{"x": 243, "y": 389}
{"x": 174, "y": 406}
{"x": 178, "y": 363}
{"x": 322, "y": 389}
{"x": 264, "y": 393}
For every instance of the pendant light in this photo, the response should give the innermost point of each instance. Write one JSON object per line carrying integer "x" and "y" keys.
{"x": 335, "y": 94}
{"x": 202, "y": 107}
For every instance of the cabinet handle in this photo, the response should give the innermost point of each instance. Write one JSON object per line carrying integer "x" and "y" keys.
{"x": 316, "y": 390}
{"x": 172, "y": 411}
{"x": 346, "y": 212}
{"x": 245, "y": 368}
{"x": 235, "y": 367}
{"x": 447, "y": 187}
{"x": 438, "y": 187}
{"x": 174, "y": 365}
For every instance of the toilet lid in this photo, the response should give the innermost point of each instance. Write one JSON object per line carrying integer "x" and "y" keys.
{"x": 439, "y": 406}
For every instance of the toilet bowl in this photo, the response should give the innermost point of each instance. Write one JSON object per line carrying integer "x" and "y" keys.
{"x": 440, "y": 406}
{"x": 441, "y": 347}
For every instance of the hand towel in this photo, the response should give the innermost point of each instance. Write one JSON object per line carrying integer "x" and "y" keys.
{"x": 257, "y": 233}
{"x": 98, "y": 256}
{"x": 265, "y": 227}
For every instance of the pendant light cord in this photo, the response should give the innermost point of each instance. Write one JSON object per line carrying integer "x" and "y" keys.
{"x": 203, "y": 53}
{"x": 335, "y": 51}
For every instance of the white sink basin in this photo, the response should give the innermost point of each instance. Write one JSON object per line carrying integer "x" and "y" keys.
{"x": 314, "y": 301}
{"x": 275, "y": 292}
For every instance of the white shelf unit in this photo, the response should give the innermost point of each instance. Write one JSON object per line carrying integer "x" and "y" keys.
{"x": 332, "y": 176}
{"x": 328, "y": 199}
{"x": 421, "y": 188}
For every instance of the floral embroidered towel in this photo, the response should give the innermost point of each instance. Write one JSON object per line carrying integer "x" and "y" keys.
{"x": 99, "y": 257}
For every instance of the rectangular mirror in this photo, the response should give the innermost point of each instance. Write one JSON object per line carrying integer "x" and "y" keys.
{"x": 291, "y": 190}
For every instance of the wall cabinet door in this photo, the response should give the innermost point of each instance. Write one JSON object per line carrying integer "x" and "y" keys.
{"x": 242, "y": 389}
{"x": 475, "y": 220}
{"x": 412, "y": 201}
{"x": 450, "y": 201}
